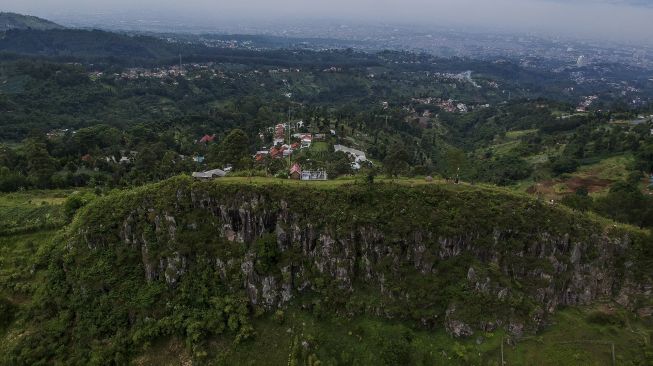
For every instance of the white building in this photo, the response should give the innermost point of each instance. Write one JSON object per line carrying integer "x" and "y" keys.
{"x": 356, "y": 154}
{"x": 314, "y": 175}
{"x": 209, "y": 174}
{"x": 307, "y": 140}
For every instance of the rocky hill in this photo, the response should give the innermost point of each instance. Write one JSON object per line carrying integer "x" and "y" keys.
{"x": 18, "y": 21}
{"x": 198, "y": 259}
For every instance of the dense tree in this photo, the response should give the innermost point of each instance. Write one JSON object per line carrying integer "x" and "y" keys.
{"x": 564, "y": 164}
{"x": 233, "y": 148}
{"x": 626, "y": 203}
{"x": 40, "y": 165}
{"x": 396, "y": 160}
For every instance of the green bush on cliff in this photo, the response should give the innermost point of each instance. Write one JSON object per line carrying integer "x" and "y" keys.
{"x": 193, "y": 260}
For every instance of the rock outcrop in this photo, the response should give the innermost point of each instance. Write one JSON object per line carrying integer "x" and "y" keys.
{"x": 466, "y": 260}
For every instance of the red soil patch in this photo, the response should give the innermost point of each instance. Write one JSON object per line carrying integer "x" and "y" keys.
{"x": 592, "y": 184}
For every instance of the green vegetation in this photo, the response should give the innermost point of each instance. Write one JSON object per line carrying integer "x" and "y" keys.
{"x": 111, "y": 254}
{"x": 585, "y": 336}
{"x": 19, "y": 21}
{"x": 199, "y": 300}
{"x": 28, "y": 222}
{"x": 573, "y": 338}
{"x": 27, "y": 212}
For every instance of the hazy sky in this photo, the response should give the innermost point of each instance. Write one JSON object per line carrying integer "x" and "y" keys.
{"x": 613, "y": 19}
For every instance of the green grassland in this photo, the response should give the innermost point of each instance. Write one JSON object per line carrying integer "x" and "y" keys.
{"x": 320, "y": 146}
{"x": 613, "y": 168}
{"x": 31, "y": 211}
{"x": 596, "y": 177}
{"x": 517, "y": 134}
{"x": 576, "y": 336}
{"x": 28, "y": 222}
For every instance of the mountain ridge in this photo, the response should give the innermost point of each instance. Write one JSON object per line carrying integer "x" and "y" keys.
{"x": 9, "y": 21}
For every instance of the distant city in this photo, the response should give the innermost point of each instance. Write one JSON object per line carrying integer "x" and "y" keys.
{"x": 529, "y": 50}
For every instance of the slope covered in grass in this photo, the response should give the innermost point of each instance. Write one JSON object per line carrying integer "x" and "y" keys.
{"x": 419, "y": 273}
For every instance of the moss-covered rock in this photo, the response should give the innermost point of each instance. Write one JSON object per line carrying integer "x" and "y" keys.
{"x": 199, "y": 258}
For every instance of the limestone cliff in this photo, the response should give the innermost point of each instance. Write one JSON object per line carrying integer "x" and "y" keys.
{"x": 462, "y": 258}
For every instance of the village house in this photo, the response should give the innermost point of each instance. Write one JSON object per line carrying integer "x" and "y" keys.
{"x": 299, "y": 124}
{"x": 277, "y": 153}
{"x": 209, "y": 174}
{"x": 58, "y": 133}
{"x": 295, "y": 171}
{"x": 357, "y": 155}
{"x": 314, "y": 175}
{"x": 279, "y": 130}
{"x": 206, "y": 139}
{"x": 307, "y": 140}
{"x": 260, "y": 155}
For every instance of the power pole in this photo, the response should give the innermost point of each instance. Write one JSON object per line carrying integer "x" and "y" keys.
{"x": 614, "y": 359}
{"x": 502, "y": 361}
{"x": 289, "y": 145}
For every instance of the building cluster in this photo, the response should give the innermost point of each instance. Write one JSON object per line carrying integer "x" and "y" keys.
{"x": 126, "y": 157}
{"x": 198, "y": 70}
{"x": 332, "y": 69}
{"x": 282, "y": 141}
{"x": 283, "y": 71}
{"x": 585, "y": 104}
{"x": 448, "y": 105}
{"x": 158, "y": 73}
{"x": 59, "y": 133}
{"x": 463, "y": 77}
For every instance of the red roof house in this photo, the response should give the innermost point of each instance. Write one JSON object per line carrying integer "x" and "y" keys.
{"x": 295, "y": 171}
{"x": 279, "y": 130}
{"x": 276, "y": 152}
{"x": 207, "y": 139}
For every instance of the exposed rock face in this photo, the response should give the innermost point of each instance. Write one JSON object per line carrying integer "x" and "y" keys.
{"x": 415, "y": 270}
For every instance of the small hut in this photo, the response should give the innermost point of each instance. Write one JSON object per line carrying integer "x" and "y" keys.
{"x": 295, "y": 171}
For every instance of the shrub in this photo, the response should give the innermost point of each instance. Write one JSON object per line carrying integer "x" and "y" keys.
{"x": 603, "y": 318}
{"x": 7, "y": 312}
{"x": 75, "y": 202}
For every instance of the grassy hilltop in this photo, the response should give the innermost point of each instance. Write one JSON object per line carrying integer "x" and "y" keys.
{"x": 265, "y": 271}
